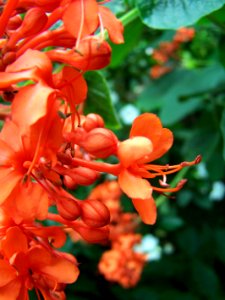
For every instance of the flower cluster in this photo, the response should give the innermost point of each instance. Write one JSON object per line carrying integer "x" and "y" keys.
{"x": 168, "y": 52}
{"x": 121, "y": 263}
{"x": 48, "y": 146}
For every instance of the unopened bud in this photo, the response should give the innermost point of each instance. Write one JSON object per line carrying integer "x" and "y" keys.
{"x": 94, "y": 213}
{"x": 14, "y": 22}
{"x": 68, "y": 208}
{"x": 93, "y": 121}
{"x": 77, "y": 136}
{"x": 9, "y": 58}
{"x": 83, "y": 176}
{"x": 92, "y": 235}
{"x": 64, "y": 158}
{"x": 69, "y": 182}
{"x": 100, "y": 142}
{"x": 34, "y": 21}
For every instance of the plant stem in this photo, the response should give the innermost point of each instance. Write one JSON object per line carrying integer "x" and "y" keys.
{"x": 130, "y": 16}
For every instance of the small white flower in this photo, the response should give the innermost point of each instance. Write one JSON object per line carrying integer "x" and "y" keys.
{"x": 150, "y": 246}
{"x": 128, "y": 113}
{"x": 218, "y": 191}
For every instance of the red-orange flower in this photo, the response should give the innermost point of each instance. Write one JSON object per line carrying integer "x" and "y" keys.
{"x": 148, "y": 141}
{"x": 26, "y": 267}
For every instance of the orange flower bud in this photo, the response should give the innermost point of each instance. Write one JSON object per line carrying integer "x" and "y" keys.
{"x": 14, "y": 22}
{"x": 92, "y": 235}
{"x": 34, "y": 21}
{"x": 82, "y": 176}
{"x": 93, "y": 121}
{"x": 100, "y": 142}
{"x": 68, "y": 208}
{"x": 76, "y": 136}
{"x": 9, "y": 58}
{"x": 69, "y": 182}
{"x": 94, "y": 213}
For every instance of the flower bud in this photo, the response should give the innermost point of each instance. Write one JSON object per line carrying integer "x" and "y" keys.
{"x": 100, "y": 142}
{"x": 93, "y": 121}
{"x": 14, "y": 22}
{"x": 34, "y": 21}
{"x": 77, "y": 136}
{"x": 82, "y": 176}
{"x": 92, "y": 235}
{"x": 94, "y": 213}
{"x": 68, "y": 208}
{"x": 9, "y": 58}
{"x": 69, "y": 182}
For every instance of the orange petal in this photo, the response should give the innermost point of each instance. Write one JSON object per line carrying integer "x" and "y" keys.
{"x": 55, "y": 266}
{"x": 10, "y": 134}
{"x": 148, "y": 125}
{"x": 81, "y": 17}
{"x": 6, "y": 153}
{"x": 8, "y": 79}
{"x": 8, "y": 244}
{"x": 32, "y": 59}
{"x": 62, "y": 270}
{"x": 163, "y": 145}
{"x": 68, "y": 81}
{"x": 134, "y": 149}
{"x": 8, "y": 182}
{"x": 11, "y": 290}
{"x": 146, "y": 209}
{"x": 32, "y": 102}
{"x": 134, "y": 186}
{"x": 22, "y": 210}
{"x": 8, "y": 273}
{"x": 112, "y": 24}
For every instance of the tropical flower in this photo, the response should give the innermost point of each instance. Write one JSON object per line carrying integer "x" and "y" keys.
{"x": 148, "y": 141}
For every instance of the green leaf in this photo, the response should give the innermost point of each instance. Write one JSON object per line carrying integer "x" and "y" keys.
{"x": 170, "y": 223}
{"x": 205, "y": 281}
{"x": 172, "y": 14}
{"x": 99, "y": 100}
{"x": 168, "y": 92}
{"x": 222, "y": 127}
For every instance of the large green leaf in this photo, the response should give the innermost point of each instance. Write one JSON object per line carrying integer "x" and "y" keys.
{"x": 99, "y": 100}
{"x": 172, "y": 14}
{"x": 167, "y": 93}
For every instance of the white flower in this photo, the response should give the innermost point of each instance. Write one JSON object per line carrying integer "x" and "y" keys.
{"x": 150, "y": 246}
{"x": 128, "y": 113}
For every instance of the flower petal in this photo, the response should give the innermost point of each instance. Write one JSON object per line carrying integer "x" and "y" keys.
{"x": 148, "y": 125}
{"x": 8, "y": 244}
{"x": 112, "y": 24}
{"x": 146, "y": 209}
{"x": 134, "y": 186}
{"x": 134, "y": 149}
{"x": 163, "y": 145}
{"x": 8, "y": 273}
{"x": 81, "y": 17}
{"x": 8, "y": 181}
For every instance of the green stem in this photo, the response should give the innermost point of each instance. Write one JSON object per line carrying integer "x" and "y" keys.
{"x": 176, "y": 179}
{"x": 130, "y": 16}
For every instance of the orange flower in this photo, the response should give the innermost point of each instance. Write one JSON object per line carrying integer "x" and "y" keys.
{"x": 25, "y": 268}
{"x": 121, "y": 264}
{"x": 148, "y": 141}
